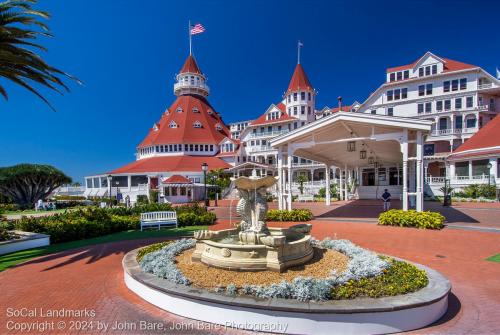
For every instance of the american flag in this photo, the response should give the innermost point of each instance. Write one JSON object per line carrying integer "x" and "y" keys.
{"x": 197, "y": 29}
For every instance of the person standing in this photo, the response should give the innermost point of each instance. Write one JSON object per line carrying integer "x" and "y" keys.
{"x": 386, "y": 197}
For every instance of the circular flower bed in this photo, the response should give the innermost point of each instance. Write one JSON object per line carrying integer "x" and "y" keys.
{"x": 365, "y": 274}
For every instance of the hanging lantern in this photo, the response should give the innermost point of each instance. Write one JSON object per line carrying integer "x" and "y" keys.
{"x": 370, "y": 160}
{"x": 362, "y": 154}
{"x": 351, "y": 146}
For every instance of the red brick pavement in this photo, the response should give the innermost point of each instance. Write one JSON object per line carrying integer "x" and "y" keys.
{"x": 92, "y": 278}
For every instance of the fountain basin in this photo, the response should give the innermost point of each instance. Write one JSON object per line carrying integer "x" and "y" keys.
{"x": 277, "y": 250}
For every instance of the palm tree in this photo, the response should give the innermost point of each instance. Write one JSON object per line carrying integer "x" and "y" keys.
{"x": 19, "y": 63}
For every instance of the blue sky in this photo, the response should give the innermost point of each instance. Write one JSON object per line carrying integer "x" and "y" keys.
{"x": 127, "y": 55}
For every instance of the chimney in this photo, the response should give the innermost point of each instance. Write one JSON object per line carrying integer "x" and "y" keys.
{"x": 340, "y": 103}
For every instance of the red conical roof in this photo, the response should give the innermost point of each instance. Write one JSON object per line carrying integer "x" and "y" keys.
{"x": 195, "y": 109}
{"x": 299, "y": 80}
{"x": 190, "y": 66}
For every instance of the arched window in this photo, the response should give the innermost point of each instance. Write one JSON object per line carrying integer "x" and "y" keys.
{"x": 197, "y": 124}
{"x": 179, "y": 110}
{"x": 195, "y": 110}
{"x": 173, "y": 124}
{"x": 210, "y": 112}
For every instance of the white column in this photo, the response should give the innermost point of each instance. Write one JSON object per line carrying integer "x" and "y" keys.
{"x": 289, "y": 198}
{"x": 420, "y": 184}
{"x": 452, "y": 171}
{"x": 280, "y": 178}
{"x": 341, "y": 185}
{"x": 494, "y": 169}
{"x": 327, "y": 186}
{"x": 470, "y": 170}
{"x": 404, "y": 151}
{"x": 346, "y": 192}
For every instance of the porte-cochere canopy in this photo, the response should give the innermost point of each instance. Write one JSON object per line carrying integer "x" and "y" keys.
{"x": 350, "y": 140}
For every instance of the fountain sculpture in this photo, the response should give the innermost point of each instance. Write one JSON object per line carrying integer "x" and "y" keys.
{"x": 251, "y": 245}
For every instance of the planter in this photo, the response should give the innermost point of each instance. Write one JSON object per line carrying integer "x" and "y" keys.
{"x": 26, "y": 241}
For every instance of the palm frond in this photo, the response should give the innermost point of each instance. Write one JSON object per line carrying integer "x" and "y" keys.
{"x": 20, "y": 27}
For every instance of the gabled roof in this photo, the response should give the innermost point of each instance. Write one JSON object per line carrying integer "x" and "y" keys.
{"x": 449, "y": 64}
{"x": 299, "y": 81}
{"x": 486, "y": 139}
{"x": 176, "y": 179}
{"x": 172, "y": 163}
{"x": 190, "y": 66}
{"x": 284, "y": 117}
{"x": 185, "y": 132}
{"x": 343, "y": 109}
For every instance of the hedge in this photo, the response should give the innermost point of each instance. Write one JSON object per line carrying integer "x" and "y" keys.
{"x": 89, "y": 222}
{"x": 296, "y": 215}
{"x": 411, "y": 218}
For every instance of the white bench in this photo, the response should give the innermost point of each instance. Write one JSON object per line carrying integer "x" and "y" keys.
{"x": 304, "y": 197}
{"x": 158, "y": 219}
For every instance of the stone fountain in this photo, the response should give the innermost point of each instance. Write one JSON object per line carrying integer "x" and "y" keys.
{"x": 251, "y": 245}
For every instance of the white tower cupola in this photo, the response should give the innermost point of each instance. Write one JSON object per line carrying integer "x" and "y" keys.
{"x": 191, "y": 80}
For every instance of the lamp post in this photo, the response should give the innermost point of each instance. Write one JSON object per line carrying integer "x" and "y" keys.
{"x": 489, "y": 165}
{"x": 204, "y": 168}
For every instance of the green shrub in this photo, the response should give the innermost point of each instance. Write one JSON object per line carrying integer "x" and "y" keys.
{"x": 142, "y": 199}
{"x": 151, "y": 248}
{"x": 153, "y": 196}
{"x": 399, "y": 278}
{"x": 296, "y": 215}
{"x": 9, "y": 208}
{"x": 475, "y": 191}
{"x": 411, "y": 218}
{"x": 88, "y": 222}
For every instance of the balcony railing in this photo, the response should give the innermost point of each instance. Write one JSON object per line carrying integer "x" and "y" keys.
{"x": 259, "y": 148}
{"x": 268, "y": 133}
{"x": 484, "y": 86}
{"x": 457, "y": 131}
{"x": 198, "y": 86}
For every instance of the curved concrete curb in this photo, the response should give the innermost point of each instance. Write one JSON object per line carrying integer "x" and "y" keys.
{"x": 356, "y": 316}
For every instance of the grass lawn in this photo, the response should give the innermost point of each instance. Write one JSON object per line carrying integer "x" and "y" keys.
{"x": 494, "y": 258}
{"x": 12, "y": 259}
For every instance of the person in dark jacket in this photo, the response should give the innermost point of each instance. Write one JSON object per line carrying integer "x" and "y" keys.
{"x": 386, "y": 197}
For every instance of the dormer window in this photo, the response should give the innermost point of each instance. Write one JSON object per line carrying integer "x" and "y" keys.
{"x": 167, "y": 113}
{"x": 210, "y": 112}
{"x": 173, "y": 124}
{"x": 179, "y": 110}
{"x": 195, "y": 110}
{"x": 197, "y": 124}
{"x": 218, "y": 127}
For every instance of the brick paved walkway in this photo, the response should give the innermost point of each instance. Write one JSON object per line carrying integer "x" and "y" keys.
{"x": 92, "y": 278}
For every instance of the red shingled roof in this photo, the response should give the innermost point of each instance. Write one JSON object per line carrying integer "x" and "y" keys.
{"x": 176, "y": 179}
{"x": 185, "y": 132}
{"x": 190, "y": 66}
{"x": 449, "y": 66}
{"x": 283, "y": 118}
{"x": 172, "y": 163}
{"x": 344, "y": 109}
{"x": 299, "y": 80}
{"x": 486, "y": 137}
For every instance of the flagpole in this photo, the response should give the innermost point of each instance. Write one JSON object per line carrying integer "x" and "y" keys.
{"x": 190, "y": 43}
{"x": 298, "y": 52}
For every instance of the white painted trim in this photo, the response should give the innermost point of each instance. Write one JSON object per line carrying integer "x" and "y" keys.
{"x": 295, "y": 322}
{"x": 381, "y": 120}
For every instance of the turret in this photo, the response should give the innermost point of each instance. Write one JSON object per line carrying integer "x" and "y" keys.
{"x": 300, "y": 97}
{"x": 191, "y": 80}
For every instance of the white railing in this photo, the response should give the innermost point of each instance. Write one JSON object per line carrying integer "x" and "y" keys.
{"x": 483, "y": 86}
{"x": 268, "y": 133}
{"x": 259, "y": 148}
{"x": 444, "y": 132}
{"x": 435, "y": 180}
{"x": 461, "y": 180}
{"x": 193, "y": 86}
{"x": 304, "y": 164}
